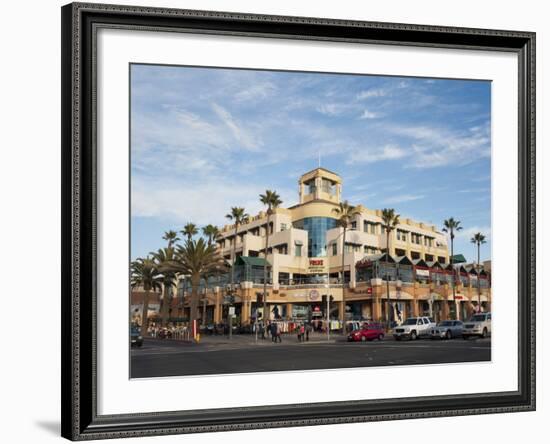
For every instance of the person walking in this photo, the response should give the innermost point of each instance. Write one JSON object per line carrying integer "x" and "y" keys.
{"x": 262, "y": 330}
{"x": 308, "y": 329}
{"x": 278, "y": 334}
{"x": 273, "y": 332}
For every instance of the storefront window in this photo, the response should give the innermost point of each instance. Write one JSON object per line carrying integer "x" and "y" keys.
{"x": 316, "y": 228}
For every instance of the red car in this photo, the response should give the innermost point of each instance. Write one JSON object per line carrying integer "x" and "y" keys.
{"x": 368, "y": 332}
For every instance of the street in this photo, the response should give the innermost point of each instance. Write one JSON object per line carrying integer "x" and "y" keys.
{"x": 220, "y": 355}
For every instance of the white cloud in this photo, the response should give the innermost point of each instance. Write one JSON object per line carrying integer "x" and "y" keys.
{"x": 257, "y": 91}
{"x": 403, "y": 198}
{"x": 242, "y": 135}
{"x": 468, "y": 233}
{"x": 373, "y": 92}
{"x": 366, "y": 155}
{"x": 440, "y": 146}
{"x": 200, "y": 203}
{"x": 370, "y": 115}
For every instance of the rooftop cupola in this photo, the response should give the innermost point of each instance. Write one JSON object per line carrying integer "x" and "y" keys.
{"x": 320, "y": 184}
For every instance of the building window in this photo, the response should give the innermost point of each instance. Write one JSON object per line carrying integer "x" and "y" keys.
{"x": 402, "y": 235}
{"x": 354, "y": 225}
{"x": 327, "y": 186}
{"x": 369, "y": 227}
{"x": 334, "y": 249}
{"x": 416, "y": 238}
{"x": 415, "y": 255}
{"x": 429, "y": 258}
{"x": 441, "y": 259}
{"x": 298, "y": 250}
{"x": 399, "y": 252}
{"x": 428, "y": 241}
{"x": 316, "y": 228}
{"x": 369, "y": 250}
{"x": 283, "y": 227}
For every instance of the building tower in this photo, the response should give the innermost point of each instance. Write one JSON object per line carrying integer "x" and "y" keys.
{"x": 320, "y": 184}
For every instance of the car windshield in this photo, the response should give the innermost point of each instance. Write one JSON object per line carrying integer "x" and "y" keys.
{"x": 134, "y": 330}
{"x": 410, "y": 321}
{"x": 478, "y": 318}
{"x": 446, "y": 323}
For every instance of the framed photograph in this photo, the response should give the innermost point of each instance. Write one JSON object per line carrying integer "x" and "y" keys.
{"x": 278, "y": 221}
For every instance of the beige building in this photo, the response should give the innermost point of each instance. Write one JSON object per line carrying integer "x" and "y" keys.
{"x": 305, "y": 265}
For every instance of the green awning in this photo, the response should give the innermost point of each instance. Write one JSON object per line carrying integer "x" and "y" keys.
{"x": 458, "y": 259}
{"x": 252, "y": 261}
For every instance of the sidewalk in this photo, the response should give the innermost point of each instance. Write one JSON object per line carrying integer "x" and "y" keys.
{"x": 249, "y": 340}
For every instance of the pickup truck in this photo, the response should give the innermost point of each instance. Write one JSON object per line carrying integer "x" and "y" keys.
{"x": 413, "y": 328}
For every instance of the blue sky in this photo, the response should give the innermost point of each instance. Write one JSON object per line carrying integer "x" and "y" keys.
{"x": 204, "y": 140}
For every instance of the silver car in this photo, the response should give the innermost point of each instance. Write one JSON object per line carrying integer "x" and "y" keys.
{"x": 447, "y": 330}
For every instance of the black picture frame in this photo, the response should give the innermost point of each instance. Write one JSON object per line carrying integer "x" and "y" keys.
{"x": 80, "y": 420}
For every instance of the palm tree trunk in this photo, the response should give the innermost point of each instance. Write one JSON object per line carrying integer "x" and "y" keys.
{"x": 265, "y": 267}
{"x": 344, "y": 282}
{"x": 194, "y": 302}
{"x": 233, "y": 254}
{"x": 164, "y": 307}
{"x": 453, "y": 279}
{"x": 478, "y": 281}
{"x": 144, "y": 313}
{"x": 387, "y": 279}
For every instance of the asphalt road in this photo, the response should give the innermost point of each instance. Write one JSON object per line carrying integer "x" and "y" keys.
{"x": 172, "y": 358}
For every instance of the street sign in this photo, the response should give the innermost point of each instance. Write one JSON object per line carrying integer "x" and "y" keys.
{"x": 232, "y": 311}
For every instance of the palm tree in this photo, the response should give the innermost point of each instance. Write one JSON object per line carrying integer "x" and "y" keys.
{"x": 478, "y": 239}
{"x": 189, "y": 230}
{"x": 390, "y": 220}
{"x": 238, "y": 216}
{"x": 144, "y": 273}
{"x": 345, "y": 213}
{"x": 451, "y": 226}
{"x": 171, "y": 236}
{"x": 164, "y": 259}
{"x": 211, "y": 232}
{"x": 195, "y": 259}
{"x": 272, "y": 200}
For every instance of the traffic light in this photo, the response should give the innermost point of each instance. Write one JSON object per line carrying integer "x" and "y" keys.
{"x": 324, "y": 300}
{"x": 331, "y": 300}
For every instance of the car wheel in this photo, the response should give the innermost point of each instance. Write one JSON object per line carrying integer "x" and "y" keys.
{"x": 484, "y": 334}
{"x": 413, "y": 335}
{"x": 448, "y": 335}
{"x": 464, "y": 337}
{"x": 363, "y": 338}
{"x": 397, "y": 338}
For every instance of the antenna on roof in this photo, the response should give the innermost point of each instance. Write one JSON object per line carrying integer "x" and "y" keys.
{"x": 319, "y": 152}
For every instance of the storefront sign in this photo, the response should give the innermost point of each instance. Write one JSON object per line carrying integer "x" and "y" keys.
{"x": 317, "y": 265}
{"x": 425, "y": 273}
{"x": 313, "y": 295}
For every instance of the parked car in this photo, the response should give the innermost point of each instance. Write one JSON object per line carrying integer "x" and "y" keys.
{"x": 367, "y": 332}
{"x": 447, "y": 330}
{"x": 135, "y": 337}
{"x": 478, "y": 325}
{"x": 413, "y": 328}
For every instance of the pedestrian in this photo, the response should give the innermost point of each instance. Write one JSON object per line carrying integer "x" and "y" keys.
{"x": 298, "y": 333}
{"x": 278, "y": 333}
{"x": 302, "y": 332}
{"x": 308, "y": 329}
{"x": 273, "y": 332}
{"x": 262, "y": 330}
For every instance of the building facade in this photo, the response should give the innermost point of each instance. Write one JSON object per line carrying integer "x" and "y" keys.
{"x": 304, "y": 258}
